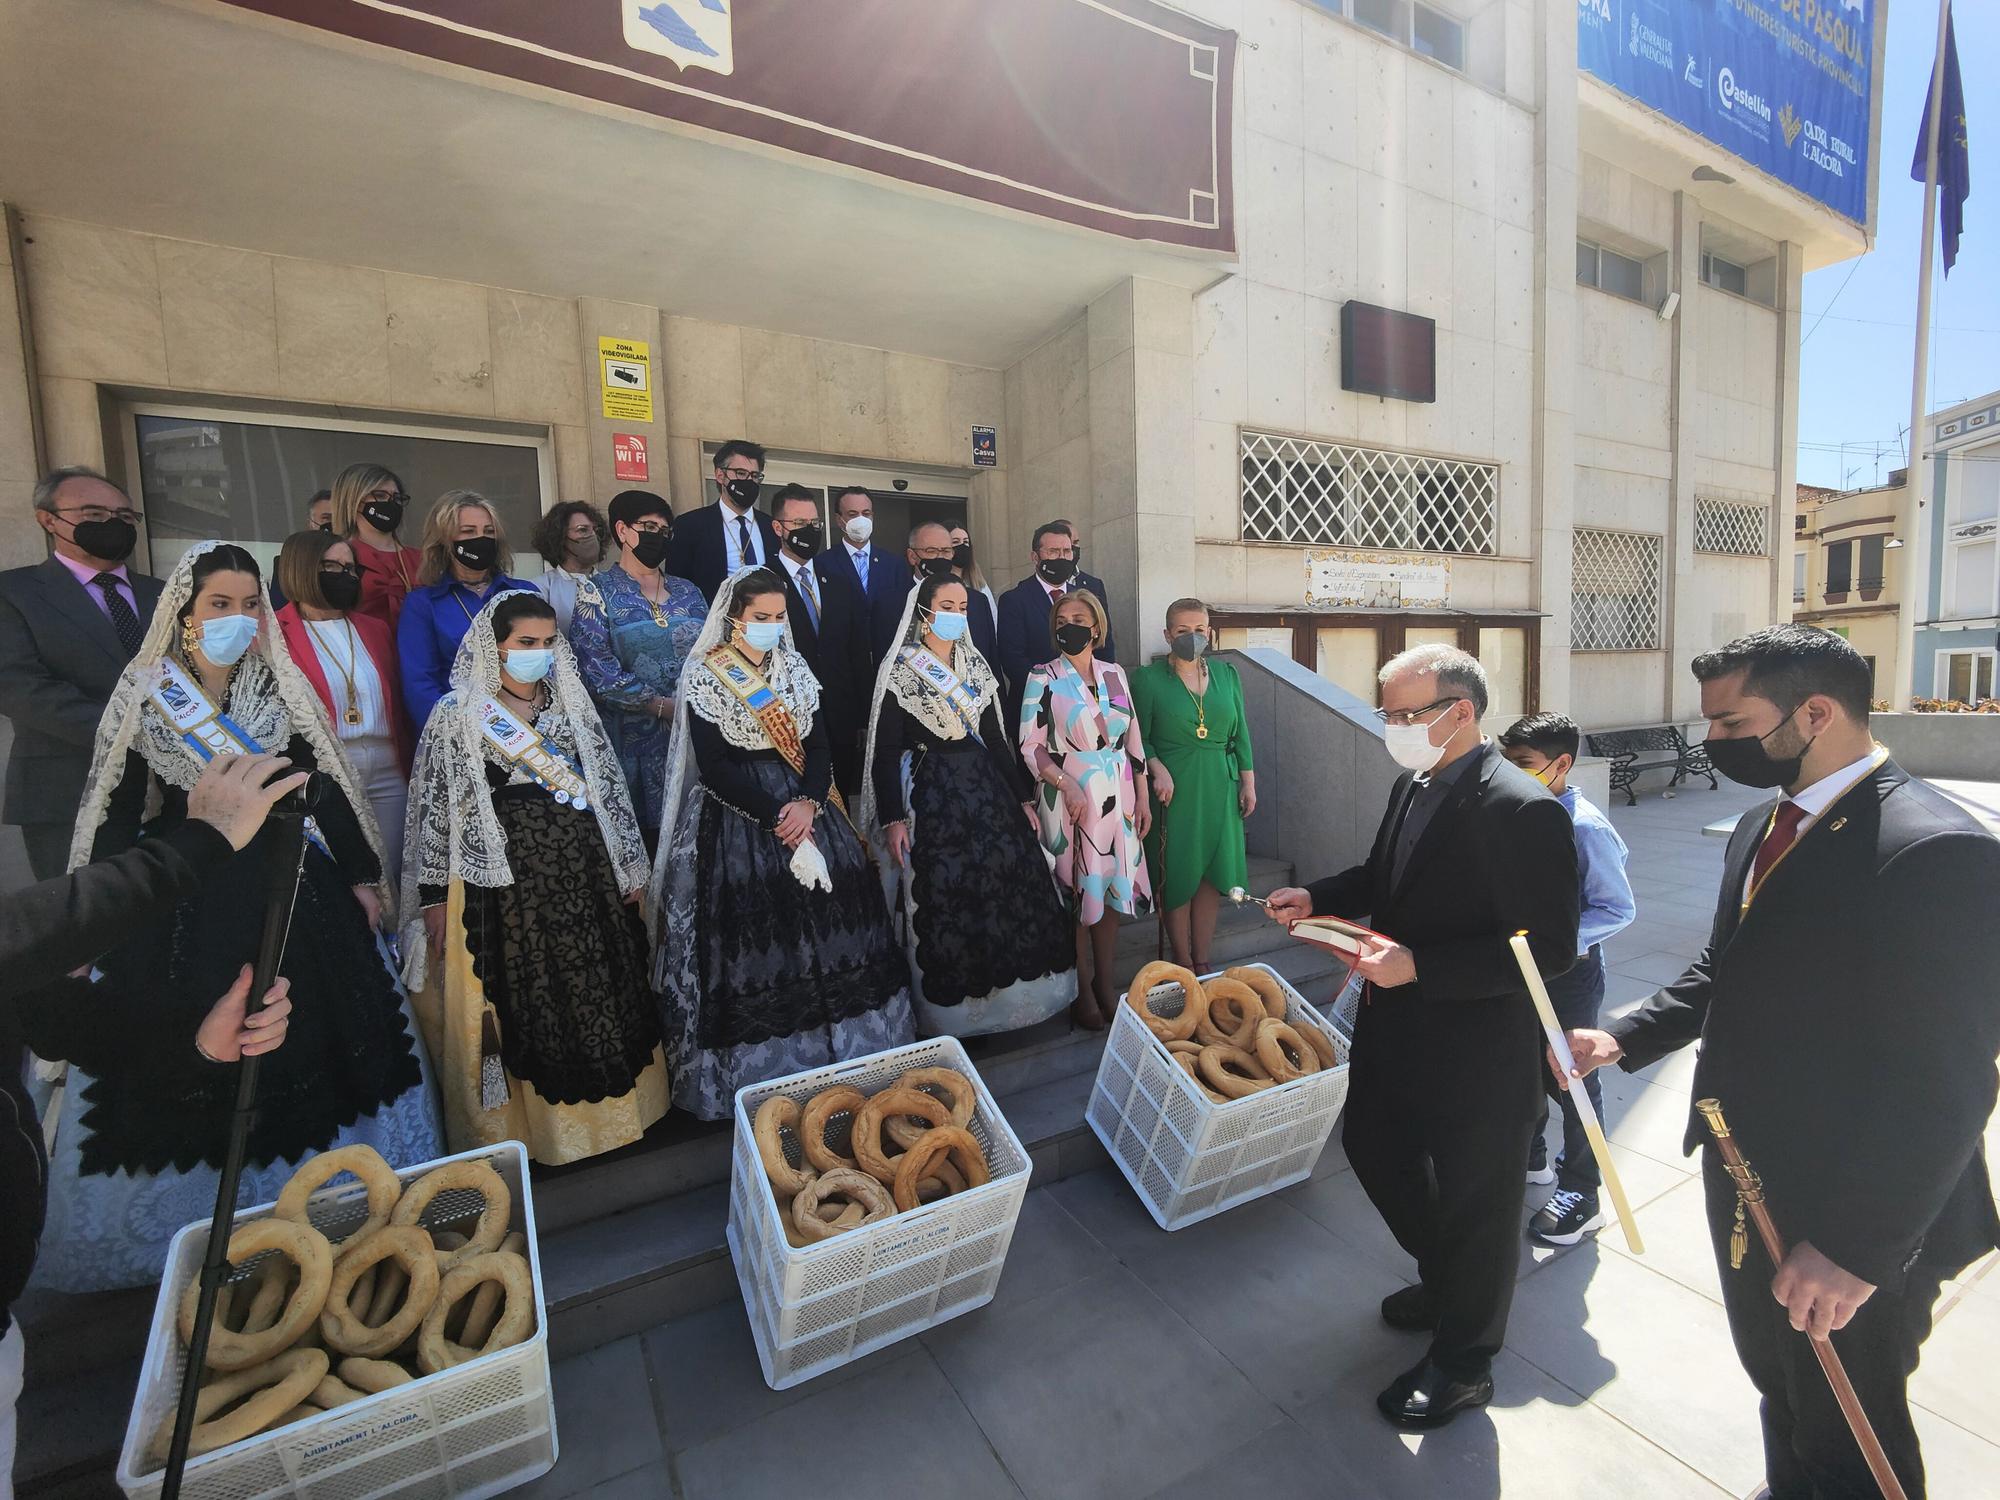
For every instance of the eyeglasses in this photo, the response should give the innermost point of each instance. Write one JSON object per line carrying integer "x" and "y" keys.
{"x": 397, "y": 496}
{"x": 734, "y": 473}
{"x": 930, "y": 553}
{"x": 100, "y": 513}
{"x": 658, "y": 528}
{"x": 338, "y": 567}
{"x": 1413, "y": 715}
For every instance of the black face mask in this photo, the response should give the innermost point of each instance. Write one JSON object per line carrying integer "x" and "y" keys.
{"x": 745, "y": 491}
{"x": 478, "y": 553}
{"x": 1056, "y": 570}
{"x": 383, "y": 515}
{"x": 1073, "y": 638}
{"x": 1746, "y": 761}
{"x": 961, "y": 555}
{"x": 111, "y": 540}
{"x": 934, "y": 567}
{"x": 342, "y": 590}
{"x": 651, "y": 548}
{"x": 805, "y": 540}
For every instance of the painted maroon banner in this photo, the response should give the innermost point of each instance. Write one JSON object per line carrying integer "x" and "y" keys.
{"x": 1112, "y": 114}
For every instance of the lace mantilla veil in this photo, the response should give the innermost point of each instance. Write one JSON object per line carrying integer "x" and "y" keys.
{"x": 450, "y": 774}
{"x": 701, "y": 691}
{"x": 898, "y": 677}
{"x": 270, "y": 698}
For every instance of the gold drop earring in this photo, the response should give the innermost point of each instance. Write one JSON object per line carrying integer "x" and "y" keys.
{"x": 190, "y": 639}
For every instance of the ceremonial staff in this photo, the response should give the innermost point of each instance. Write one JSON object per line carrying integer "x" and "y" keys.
{"x": 1566, "y": 1061}
{"x": 286, "y": 823}
{"x": 1750, "y": 1196}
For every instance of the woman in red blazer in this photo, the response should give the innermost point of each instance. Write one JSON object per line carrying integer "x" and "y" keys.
{"x": 350, "y": 659}
{"x": 368, "y": 506}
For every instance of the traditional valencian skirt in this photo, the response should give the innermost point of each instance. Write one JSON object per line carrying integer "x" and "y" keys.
{"x": 991, "y": 944}
{"x": 561, "y": 959}
{"x": 759, "y": 976}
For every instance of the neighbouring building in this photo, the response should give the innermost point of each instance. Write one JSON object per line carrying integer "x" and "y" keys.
{"x": 1847, "y": 572}
{"x": 1957, "y": 630}
{"x": 1371, "y": 322}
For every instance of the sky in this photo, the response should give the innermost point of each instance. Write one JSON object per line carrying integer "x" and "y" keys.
{"x": 1854, "y": 367}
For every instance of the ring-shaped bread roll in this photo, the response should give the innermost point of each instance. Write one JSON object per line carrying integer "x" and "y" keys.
{"x": 273, "y": 1387}
{"x": 484, "y": 1308}
{"x": 366, "y": 1163}
{"x": 1232, "y": 1071}
{"x": 473, "y": 1176}
{"x": 343, "y": 1327}
{"x": 268, "y": 1289}
{"x": 945, "y": 1179}
{"x": 370, "y": 1376}
{"x": 1277, "y": 1004}
{"x": 964, "y": 1099}
{"x": 870, "y": 1118}
{"x": 435, "y": 1352}
{"x": 1190, "y": 1049}
{"x": 306, "y": 1248}
{"x": 921, "y": 1160}
{"x": 1191, "y": 1065}
{"x": 1283, "y": 1052}
{"x": 1320, "y": 1042}
{"x": 1193, "y": 1009}
{"x": 332, "y": 1391}
{"x": 822, "y": 1107}
{"x": 841, "y": 1182}
{"x": 775, "y": 1116}
{"x": 1234, "y": 1014}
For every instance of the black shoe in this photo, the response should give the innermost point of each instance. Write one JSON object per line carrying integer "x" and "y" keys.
{"x": 1410, "y": 1310}
{"x": 1566, "y": 1218}
{"x": 1425, "y": 1397}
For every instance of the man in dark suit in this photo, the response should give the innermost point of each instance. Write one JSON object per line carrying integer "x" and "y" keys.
{"x": 68, "y": 626}
{"x": 830, "y": 626}
{"x": 1445, "y": 1091}
{"x": 1084, "y": 579}
{"x": 877, "y": 571}
{"x": 1023, "y": 638}
{"x": 1848, "y": 1019}
{"x": 711, "y": 543}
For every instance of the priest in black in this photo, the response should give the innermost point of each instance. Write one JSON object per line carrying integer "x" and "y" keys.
{"x": 1849, "y": 1020}
{"x": 1445, "y": 1088}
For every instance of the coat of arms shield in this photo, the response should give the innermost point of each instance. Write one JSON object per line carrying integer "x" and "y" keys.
{"x": 688, "y": 33}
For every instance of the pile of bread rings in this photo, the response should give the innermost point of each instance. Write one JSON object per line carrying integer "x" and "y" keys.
{"x": 1231, "y": 1036}
{"x": 910, "y": 1145}
{"x": 317, "y": 1325}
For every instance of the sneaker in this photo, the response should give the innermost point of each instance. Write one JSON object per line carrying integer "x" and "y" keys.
{"x": 1566, "y": 1218}
{"x": 1541, "y": 1176}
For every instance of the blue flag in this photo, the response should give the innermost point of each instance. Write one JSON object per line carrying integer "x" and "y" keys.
{"x": 1954, "y": 165}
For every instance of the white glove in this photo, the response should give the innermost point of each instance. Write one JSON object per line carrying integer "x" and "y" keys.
{"x": 809, "y": 867}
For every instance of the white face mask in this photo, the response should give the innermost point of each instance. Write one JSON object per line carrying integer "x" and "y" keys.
{"x": 858, "y": 529}
{"x": 1409, "y": 746}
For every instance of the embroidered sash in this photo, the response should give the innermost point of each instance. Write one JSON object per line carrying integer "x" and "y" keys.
{"x": 522, "y": 745}
{"x": 945, "y": 682}
{"x": 767, "y": 708}
{"x": 207, "y": 730}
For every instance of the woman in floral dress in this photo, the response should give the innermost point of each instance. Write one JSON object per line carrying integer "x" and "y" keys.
{"x": 1080, "y": 738}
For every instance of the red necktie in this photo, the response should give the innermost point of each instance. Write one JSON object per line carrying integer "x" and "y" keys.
{"x": 1784, "y": 832}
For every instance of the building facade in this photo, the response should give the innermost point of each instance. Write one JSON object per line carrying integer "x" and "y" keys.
{"x": 1370, "y": 322}
{"x": 1847, "y": 572}
{"x": 1957, "y": 630}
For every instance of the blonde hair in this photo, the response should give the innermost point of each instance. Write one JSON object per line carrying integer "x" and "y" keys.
{"x": 351, "y": 487}
{"x": 1187, "y": 606}
{"x": 443, "y": 521}
{"x": 1100, "y": 625}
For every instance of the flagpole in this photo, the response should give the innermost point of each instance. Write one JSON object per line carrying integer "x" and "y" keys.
{"x": 1916, "y": 555}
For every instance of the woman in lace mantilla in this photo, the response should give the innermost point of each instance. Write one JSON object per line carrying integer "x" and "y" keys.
{"x": 522, "y": 876}
{"x": 135, "y": 1155}
{"x": 775, "y": 953}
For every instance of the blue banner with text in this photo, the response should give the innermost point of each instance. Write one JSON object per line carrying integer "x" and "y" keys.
{"x": 1784, "y": 84}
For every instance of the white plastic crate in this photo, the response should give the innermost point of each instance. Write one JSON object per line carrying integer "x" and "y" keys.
{"x": 814, "y": 1309}
{"x": 477, "y": 1429}
{"x": 1188, "y": 1157}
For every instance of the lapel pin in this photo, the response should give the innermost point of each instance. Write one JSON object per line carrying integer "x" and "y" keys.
{"x": 1836, "y": 825}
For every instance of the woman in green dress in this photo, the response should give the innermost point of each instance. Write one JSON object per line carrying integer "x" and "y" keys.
{"x": 1191, "y": 721}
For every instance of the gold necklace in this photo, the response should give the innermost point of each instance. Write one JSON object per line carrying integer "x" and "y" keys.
{"x": 346, "y": 669}
{"x": 1200, "y": 701}
{"x": 659, "y": 616}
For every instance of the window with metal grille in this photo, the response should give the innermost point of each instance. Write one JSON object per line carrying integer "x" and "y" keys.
{"x": 1731, "y": 529}
{"x": 1333, "y": 494}
{"x": 1615, "y": 589}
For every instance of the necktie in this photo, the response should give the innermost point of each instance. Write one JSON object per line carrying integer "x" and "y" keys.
{"x": 744, "y": 556}
{"x": 805, "y": 582}
{"x": 122, "y": 619}
{"x": 1784, "y": 832}
{"x": 861, "y": 567}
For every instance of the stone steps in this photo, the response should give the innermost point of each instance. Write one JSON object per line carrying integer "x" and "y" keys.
{"x": 629, "y": 1240}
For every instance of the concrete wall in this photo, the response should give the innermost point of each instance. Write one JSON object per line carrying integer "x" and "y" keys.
{"x": 1955, "y": 747}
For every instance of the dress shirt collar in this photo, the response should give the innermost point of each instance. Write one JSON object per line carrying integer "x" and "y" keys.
{"x": 85, "y": 574}
{"x": 1829, "y": 789}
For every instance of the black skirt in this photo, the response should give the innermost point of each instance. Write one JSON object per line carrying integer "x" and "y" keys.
{"x": 561, "y": 956}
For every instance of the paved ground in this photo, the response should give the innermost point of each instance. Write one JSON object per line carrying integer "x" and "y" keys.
{"x": 1241, "y": 1356}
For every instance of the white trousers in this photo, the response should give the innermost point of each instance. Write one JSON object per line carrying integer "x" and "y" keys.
{"x": 382, "y": 783}
{"x": 13, "y": 1354}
